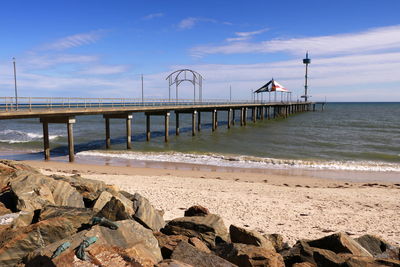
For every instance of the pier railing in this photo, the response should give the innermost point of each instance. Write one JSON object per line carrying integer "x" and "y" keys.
{"x": 11, "y": 104}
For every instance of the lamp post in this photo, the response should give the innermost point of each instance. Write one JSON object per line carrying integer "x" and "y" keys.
{"x": 15, "y": 84}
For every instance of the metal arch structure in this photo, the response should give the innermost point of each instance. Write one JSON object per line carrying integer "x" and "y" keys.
{"x": 179, "y": 76}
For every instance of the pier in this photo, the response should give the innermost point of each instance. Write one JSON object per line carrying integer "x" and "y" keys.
{"x": 65, "y": 111}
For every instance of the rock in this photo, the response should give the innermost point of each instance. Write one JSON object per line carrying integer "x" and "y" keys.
{"x": 302, "y": 252}
{"x": 210, "y": 228}
{"x": 105, "y": 197}
{"x": 277, "y": 241}
{"x": 340, "y": 243}
{"x": 55, "y": 224}
{"x": 187, "y": 253}
{"x": 114, "y": 210}
{"x": 4, "y": 210}
{"x": 370, "y": 262}
{"x": 304, "y": 264}
{"x": 172, "y": 263}
{"x": 250, "y": 255}
{"x": 9, "y": 167}
{"x": 241, "y": 235}
{"x": 146, "y": 214}
{"x": 197, "y": 243}
{"x": 88, "y": 188}
{"x": 168, "y": 243}
{"x": 35, "y": 191}
{"x": 196, "y": 211}
{"x": 378, "y": 247}
{"x": 130, "y": 243}
{"x": 24, "y": 218}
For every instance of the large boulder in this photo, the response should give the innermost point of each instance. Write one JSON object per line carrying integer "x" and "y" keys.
{"x": 378, "y": 247}
{"x": 129, "y": 245}
{"x": 168, "y": 243}
{"x": 55, "y": 223}
{"x": 88, "y": 188}
{"x": 172, "y": 263}
{"x": 210, "y": 228}
{"x": 105, "y": 197}
{"x": 187, "y": 253}
{"x": 358, "y": 261}
{"x": 340, "y": 243}
{"x": 250, "y": 255}
{"x": 196, "y": 210}
{"x": 249, "y": 237}
{"x": 277, "y": 241}
{"x": 35, "y": 191}
{"x": 4, "y": 210}
{"x": 146, "y": 214}
{"x": 114, "y": 210}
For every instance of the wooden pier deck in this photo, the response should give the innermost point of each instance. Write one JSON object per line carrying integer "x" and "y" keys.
{"x": 64, "y": 110}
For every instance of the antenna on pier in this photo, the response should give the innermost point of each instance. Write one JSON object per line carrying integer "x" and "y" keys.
{"x": 306, "y": 61}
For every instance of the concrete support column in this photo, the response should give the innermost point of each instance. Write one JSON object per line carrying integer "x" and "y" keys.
{"x": 129, "y": 132}
{"x": 214, "y": 119}
{"x": 229, "y": 118}
{"x": 70, "y": 140}
{"x": 46, "y": 142}
{"x": 233, "y": 116}
{"x": 194, "y": 115}
{"x": 198, "y": 121}
{"x": 241, "y": 116}
{"x": 148, "y": 131}
{"x": 108, "y": 135}
{"x": 176, "y": 123}
{"x": 262, "y": 113}
{"x": 245, "y": 117}
{"x": 254, "y": 114}
{"x": 166, "y": 121}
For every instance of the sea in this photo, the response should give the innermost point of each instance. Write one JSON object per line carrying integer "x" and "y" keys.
{"x": 345, "y": 139}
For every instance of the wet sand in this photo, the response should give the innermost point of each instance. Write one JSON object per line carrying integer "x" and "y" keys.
{"x": 294, "y": 205}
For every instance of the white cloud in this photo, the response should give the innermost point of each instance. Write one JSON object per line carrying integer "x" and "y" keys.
{"x": 35, "y": 61}
{"x": 74, "y": 41}
{"x": 242, "y": 36}
{"x": 190, "y": 22}
{"x": 153, "y": 16}
{"x": 105, "y": 69}
{"x": 377, "y": 39}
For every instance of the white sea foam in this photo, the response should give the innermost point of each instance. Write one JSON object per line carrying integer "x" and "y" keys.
{"x": 15, "y": 136}
{"x": 245, "y": 161}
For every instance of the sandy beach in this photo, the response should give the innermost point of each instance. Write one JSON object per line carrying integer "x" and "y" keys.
{"x": 295, "y": 206}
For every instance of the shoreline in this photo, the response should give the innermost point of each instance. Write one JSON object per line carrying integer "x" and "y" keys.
{"x": 295, "y": 206}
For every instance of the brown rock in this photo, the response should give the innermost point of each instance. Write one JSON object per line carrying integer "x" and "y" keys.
{"x": 249, "y": 255}
{"x": 187, "y": 253}
{"x": 114, "y": 210}
{"x": 357, "y": 261}
{"x": 304, "y": 264}
{"x": 4, "y": 210}
{"x": 105, "y": 197}
{"x": 196, "y": 211}
{"x": 146, "y": 214}
{"x": 168, "y": 243}
{"x": 172, "y": 263}
{"x": 340, "y": 243}
{"x": 130, "y": 245}
{"x": 210, "y": 228}
{"x": 241, "y": 235}
{"x": 378, "y": 247}
{"x": 277, "y": 241}
{"x": 197, "y": 243}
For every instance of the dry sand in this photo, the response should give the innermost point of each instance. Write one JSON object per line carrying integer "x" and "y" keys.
{"x": 295, "y": 206}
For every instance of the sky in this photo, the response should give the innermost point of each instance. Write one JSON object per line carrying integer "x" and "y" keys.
{"x": 96, "y": 48}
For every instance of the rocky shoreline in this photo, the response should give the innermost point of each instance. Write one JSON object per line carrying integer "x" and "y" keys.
{"x": 71, "y": 221}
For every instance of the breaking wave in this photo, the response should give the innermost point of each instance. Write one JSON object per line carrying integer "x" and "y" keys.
{"x": 244, "y": 161}
{"x": 15, "y": 136}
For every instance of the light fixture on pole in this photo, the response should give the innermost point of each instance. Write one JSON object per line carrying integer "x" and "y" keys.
{"x": 15, "y": 84}
{"x": 306, "y": 61}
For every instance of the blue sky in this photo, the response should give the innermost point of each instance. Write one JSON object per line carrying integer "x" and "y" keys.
{"x": 100, "y": 48}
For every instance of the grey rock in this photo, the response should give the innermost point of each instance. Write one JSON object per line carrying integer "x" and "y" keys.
{"x": 249, "y": 237}
{"x": 146, "y": 214}
{"x": 378, "y": 247}
{"x": 187, "y": 253}
{"x": 210, "y": 228}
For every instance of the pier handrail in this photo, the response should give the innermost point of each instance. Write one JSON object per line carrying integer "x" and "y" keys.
{"x": 9, "y": 104}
